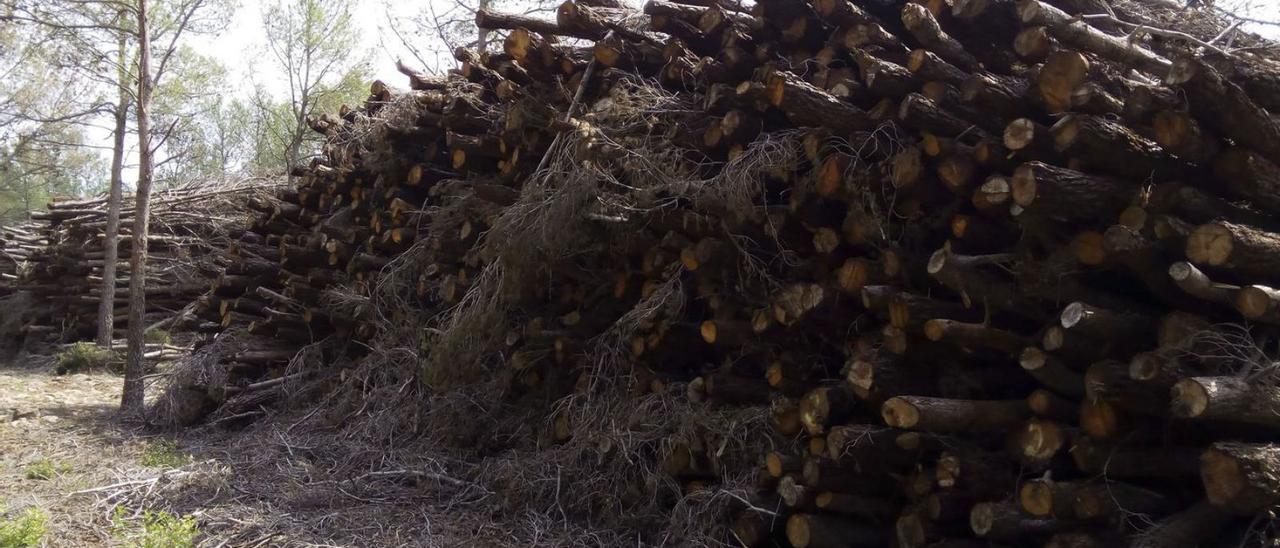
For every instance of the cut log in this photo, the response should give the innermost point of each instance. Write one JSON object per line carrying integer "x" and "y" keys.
{"x": 949, "y": 415}
{"x": 1004, "y": 522}
{"x": 1106, "y": 325}
{"x": 1034, "y": 44}
{"x": 1002, "y": 95}
{"x": 1258, "y": 303}
{"x": 495, "y": 21}
{"x": 885, "y": 78}
{"x": 1030, "y": 140}
{"x": 1080, "y": 34}
{"x": 927, "y": 65}
{"x": 1062, "y": 73}
{"x": 1240, "y": 249}
{"x": 806, "y": 105}
{"x": 1070, "y": 196}
{"x": 1231, "y": 399}
{"x": 1091, "y": 98}
{"x": 1240, "y": 477}
{"x": 975, "y": 336}
{"x": 1036, "y": 441}
{"x": 1197, "y": 284}
{"x": 1247, "y": 175}
{"x": 918, "y": 112}
{"x": 825, "y": 406}
{"x": 1113, "y": 148}
{"x": 1052, "y": 372}
{"x": 1179, "y": 133}
{"x": 926, "y": 30}
{"x": 1223, "y": 106}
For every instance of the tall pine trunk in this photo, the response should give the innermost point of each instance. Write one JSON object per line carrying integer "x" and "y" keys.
{"x": 482, "y": 40}
{"x": 133, "y": 397}
{"x": 111, "y": 242}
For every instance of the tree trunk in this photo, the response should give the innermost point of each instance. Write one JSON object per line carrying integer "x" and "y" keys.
{"x": 110, "y": 243}
{"x": 482, "y": 36}
{"x": 133, "y": 397}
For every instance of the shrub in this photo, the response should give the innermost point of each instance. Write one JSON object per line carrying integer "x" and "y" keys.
{"x": 44, "y": 469}
{"x": 83, "y": 356}
{"x": 160, "y": 529}
{"x": 23, "y": 530}
{"x": 164, "y": 454}
{"x": 157, "y": 336}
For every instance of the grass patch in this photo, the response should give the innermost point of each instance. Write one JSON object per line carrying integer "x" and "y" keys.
{"x": 158, "y": 530}
{"x": 23, "y": 529}
{"x": 83, "y": 356}
{"x": 164, "y": 454}
{"x": 45, "y": 469}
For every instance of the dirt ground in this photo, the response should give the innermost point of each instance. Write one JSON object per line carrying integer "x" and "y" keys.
{"x": 270, "y": 485}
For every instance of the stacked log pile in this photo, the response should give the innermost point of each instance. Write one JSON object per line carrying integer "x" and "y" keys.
{"x": 1001, "y": 272}
{"x": 56, "y": 260}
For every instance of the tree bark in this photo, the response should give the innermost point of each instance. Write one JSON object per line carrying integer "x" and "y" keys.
{"x": 1243, "y": 478}
{"x": 926, "y": 30}
{"x": 948, "y": 415}
{"x": 806, "y": 105}
{"x": 1231, "y": 399}
{"x": 133, "y": 396}
{"x": 1241, "y": 249}
{"x": 494, "y": 21}
{"x": 1080, "y": 34}
{"x": 1068, "y": 195}
{"x": 1248, "y": 175}
{"x": 110, "y": 242}
{"x": 1113, "y": 148}
{"x": 1225, "y": 107}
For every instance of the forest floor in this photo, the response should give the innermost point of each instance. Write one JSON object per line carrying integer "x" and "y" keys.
{"x": 100, "y": 482}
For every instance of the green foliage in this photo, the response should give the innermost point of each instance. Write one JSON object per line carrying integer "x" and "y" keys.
{"x": 206, "y": 141}
{"x": 67, "y": 64}
{"x": 45, "y": 469}
{"x": 157, "y": 336}
{"x": 316, "y": 44}
{"x": 159, "y": 529}
{"x": 83, "y": 356}
{"x": 42, "y": 152}
{"x": 164, "y": 454}
{"x": 24, "y": 529}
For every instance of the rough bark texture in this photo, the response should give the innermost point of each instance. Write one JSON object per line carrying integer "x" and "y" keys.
{"x": 111, "y": 237}
{"x": 1216, "y": 101}
{"x": 1241, "y": 477}
{"x": 133, "y": 396}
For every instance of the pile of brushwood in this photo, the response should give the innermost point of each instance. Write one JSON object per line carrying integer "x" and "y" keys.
{"x": 51, "y": 266}
{"x": 827, "y": 273}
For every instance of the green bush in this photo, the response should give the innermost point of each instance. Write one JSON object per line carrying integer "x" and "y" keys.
{"x": 159, "y": 530}
{"x": 83, "y": 356}
{"x": 44, "y": 469}
{"x": 164, "y": 454}
{"x": 23, "y": 530}
{"x": 157, "y": 336}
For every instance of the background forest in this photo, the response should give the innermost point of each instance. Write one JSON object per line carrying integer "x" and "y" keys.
{"x": 234, "y": 83}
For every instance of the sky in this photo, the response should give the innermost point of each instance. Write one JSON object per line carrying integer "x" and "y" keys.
{"x": 242, "y": 46}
